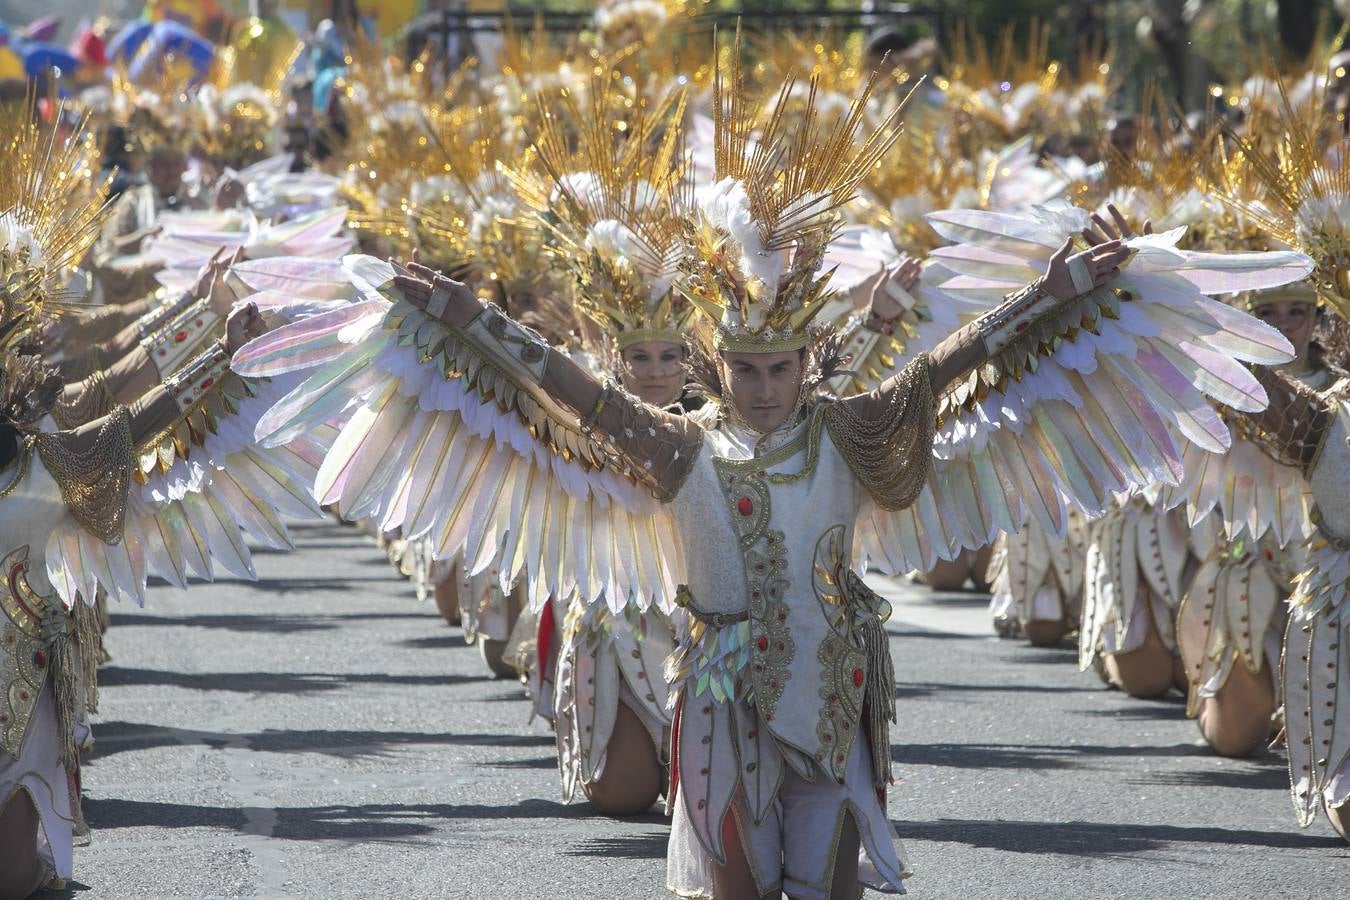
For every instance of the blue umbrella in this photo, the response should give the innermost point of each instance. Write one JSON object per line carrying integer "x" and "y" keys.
{"x": 127, "y": 41}
{"x": 40, "y": 57}
{"x": 170, "y": 37}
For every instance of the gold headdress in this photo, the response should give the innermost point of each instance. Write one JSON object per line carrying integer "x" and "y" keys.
{"x": 612, "y": 208}
{"x": 51, "y": 201}
{"x": 238, "y": 118}
{"x": 1306, "y": 204}
{"x": 1294, "y": 292}
{"x": 1014, "y": 91}
{"x": 467, "y": 214}
{"x": 760, "y": 230}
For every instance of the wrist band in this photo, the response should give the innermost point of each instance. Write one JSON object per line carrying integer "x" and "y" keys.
{"x": 900, "y": 296}
{"x": 197, "y": 377}
{"x": 155, "y": 319}
{"x": 1082, "y": 278}
{"x": 183, "y": 337}
{"x": 440, "y": 300}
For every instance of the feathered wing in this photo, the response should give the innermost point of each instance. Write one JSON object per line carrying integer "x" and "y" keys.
{"x": 1105, "y": 396}
{"x": 186, "y": 244}
{"x": 1252, "y": 492}
{"x": 437, "y": 439}
{"x": 859, "y": 252}
{"x": 201, "y": 492}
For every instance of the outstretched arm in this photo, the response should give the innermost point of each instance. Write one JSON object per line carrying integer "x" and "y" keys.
{"x": 154, "y": 348}
{"x": 886, "y": 435}
{"x": 1068, "y": 277}
{"x": 653, "y": 446}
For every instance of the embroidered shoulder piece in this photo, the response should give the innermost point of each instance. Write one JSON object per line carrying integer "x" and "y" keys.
{"x": 206, "y": 392}
{"x": 507, "y": 364}
{"x": 1294, "y": 425}
{"x": 886, "y": 436}
{"x": 94, "y": 401}
{"x": 93, "y": 473}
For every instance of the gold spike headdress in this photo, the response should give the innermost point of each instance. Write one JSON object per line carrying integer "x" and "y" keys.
{"x": 51, "y": 201}
{"x": 613, "y": 208}
{"x": 759, "y": 231}
{"x": 1306, "y": 204}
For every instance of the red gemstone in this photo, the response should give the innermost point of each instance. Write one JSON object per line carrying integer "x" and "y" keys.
{"x": 180, "y": 337}
{"x": 744, "y": 506}
{"x": 857, "y": 677}
{"x": 4, "y": 718}
{"x": 762, "y": 643}
{"x": 40, "y": 659}
{"x": 206, "y": 385}
{"x": 198, "y": 323}
{"x": 1021, "y": 326}
{"x": 23, "y": 695}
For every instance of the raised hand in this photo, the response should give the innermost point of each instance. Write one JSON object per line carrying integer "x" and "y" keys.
{"x": 891, "y": 297}
{"x": 243, "y": 325}
{"x": 1118, "y": 230}
{"x": 456, "y": 303}
{"x": 1070, "y": 276}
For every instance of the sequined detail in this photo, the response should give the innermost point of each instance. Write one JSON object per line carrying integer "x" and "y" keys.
{"x": 25, "y": 668}
{"x": 94, "y": 476}
{"x": 764, "y": 556}
{"x": 841, "y": 659}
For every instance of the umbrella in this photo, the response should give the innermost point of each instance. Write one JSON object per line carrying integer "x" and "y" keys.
{"x": 40, "y": 56}
{"x": 127, "y": 41}
{"x": 174, "y": 38}
{"x": 43, "y": 29}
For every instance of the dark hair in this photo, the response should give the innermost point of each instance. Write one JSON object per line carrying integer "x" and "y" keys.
{"x": 893, "y": 39}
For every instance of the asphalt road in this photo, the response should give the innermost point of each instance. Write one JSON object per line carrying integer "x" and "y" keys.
{"x": 320, "y": 734}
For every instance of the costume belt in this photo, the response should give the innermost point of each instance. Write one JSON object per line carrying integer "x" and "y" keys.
{"x": 684, "y": 598}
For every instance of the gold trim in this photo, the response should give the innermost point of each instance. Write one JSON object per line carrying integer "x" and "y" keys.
{"x": 625, "y": 339}
{"x": 749, "y": 342}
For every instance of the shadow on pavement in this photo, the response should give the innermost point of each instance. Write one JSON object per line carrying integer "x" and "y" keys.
{"x": 533, "y": 762}
{"x": 1041, "y": 656}
{"x": 453, "y": 640}
{"x": 262, "y": 622}
{"x": 1030, "y": 756}
{"x": 267, "y": 682}
{"x": 373, "y": 822}
{"x": 1251, "y": 776}
{"x": 121, "y": 737}
{"x": 1096, "y": 838}
{"x": 913, "y": 690}
{"x": 649, "y": 845}
{"x": 1165, "y": 709}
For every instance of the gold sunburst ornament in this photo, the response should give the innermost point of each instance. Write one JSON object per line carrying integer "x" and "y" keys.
{"x": 759, "y": 231}
{"x": 1306, "y": 203}
{"x": 610, "y": 193}
{"x": 51, "y": 203}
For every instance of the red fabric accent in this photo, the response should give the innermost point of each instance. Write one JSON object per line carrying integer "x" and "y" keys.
{"x": 675, "y": 753}
{"x": 544, "y": 636}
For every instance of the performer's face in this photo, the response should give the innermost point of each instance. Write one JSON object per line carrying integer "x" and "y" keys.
{"x": 654, "y": 370}
{"x": 1295, "y": 320}
{"x": 764, "y": 387}
{"x": 165, "y": 171}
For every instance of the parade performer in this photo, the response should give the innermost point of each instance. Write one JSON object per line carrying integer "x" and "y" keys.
{"x": 1307, "y": 432}
{"x": 1141, "y": 557}
{"x": 121, "y": 264}
{"x": 612, "y": 214}
{"x": 1036, "y": 582}
{"x": 166, "y": 485}
{"x": 1231, "y": 623}
{"x": 471, "y": 429}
